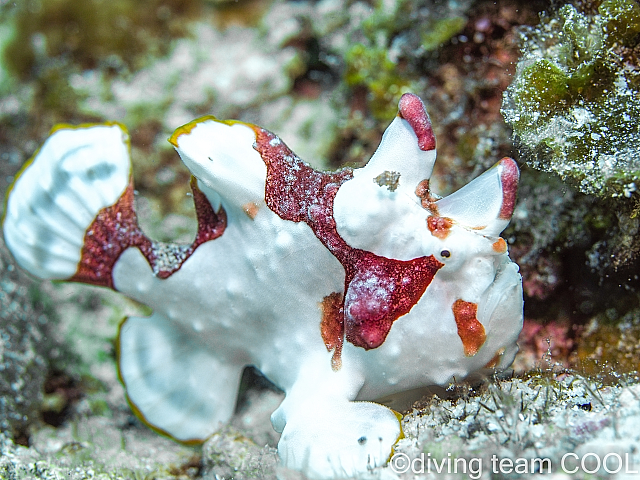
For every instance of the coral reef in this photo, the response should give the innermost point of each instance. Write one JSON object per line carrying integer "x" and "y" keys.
{"x": 574, "y": 101}
{"x": 541, "y": 417}
{"x": 560, "y": 419}
{"x": 573, "y": 106}
{"x": 328, "y": 73}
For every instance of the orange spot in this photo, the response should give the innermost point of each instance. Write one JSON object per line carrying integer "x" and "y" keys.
{"x": 422, "y": 190}
{"x": 500, "y": 245}
{"x": 427, "y": 200}
{"x": 332, "y": 327}
{"x": 495, "y": 361}
{"x": 439, "y": 226}
{"x": 470, "y": 330}
{"x": 251, "y": 209}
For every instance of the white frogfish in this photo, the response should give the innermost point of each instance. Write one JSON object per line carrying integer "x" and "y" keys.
{"x": 341, "y": 288}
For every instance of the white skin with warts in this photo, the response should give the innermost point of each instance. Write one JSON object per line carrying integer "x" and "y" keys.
{"x": 252, "y": 297}
{"x": 281, "y": 286}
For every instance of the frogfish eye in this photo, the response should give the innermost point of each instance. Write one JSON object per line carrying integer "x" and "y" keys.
{"x": 445, "y": 253}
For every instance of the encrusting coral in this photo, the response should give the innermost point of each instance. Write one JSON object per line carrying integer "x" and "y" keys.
{"x": 575, "y": 99}
{"x": 339, "y": 287}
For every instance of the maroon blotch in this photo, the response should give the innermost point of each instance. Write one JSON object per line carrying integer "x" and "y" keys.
{"x": 378, "y": 290}
{"x": 116, "y": 228}
{"x": 509, "y": 179}
{"x": 413, "y": 111}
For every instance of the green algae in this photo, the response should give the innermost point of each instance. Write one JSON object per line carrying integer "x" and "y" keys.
{"x": 395, "y": 40}
{"x": 6, "y": 35}
{"x": 575, "y": 99}
{"x": 44, "y": 43}
{"x": 372, "y": 68}
{"x": 441, "y": 31}
{"x": 94, "y": 32}
{"x": 368, "y": 63}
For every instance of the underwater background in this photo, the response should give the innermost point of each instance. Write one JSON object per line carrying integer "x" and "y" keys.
{"x": 554, "y": 85}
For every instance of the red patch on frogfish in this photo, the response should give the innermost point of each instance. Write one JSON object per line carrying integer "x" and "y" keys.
{"x": 116, "y": 228}
{"x": 495, "y": 361}
{"x": 332, "y": 326}
{"x": 427, "y": 200}
{"x": 251, "y": 209}
{"x": 378, "y": 290}
{"x": 413, "y": 111}
{"x": 470, "y": 330}
{"x": 499, "y": 246}
{"x": 509, "y": 179}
